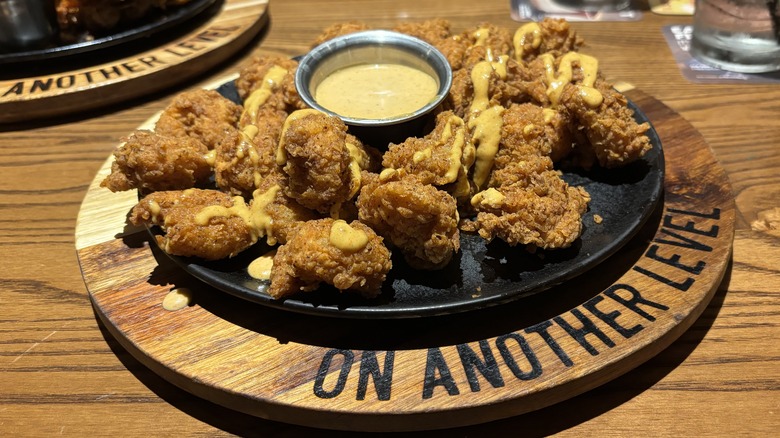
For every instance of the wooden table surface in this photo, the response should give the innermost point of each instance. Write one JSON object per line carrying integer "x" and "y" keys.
{"x": 61, "y": 373}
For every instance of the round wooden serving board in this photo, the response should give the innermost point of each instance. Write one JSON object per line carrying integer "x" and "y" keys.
{"x": 136, "y": 73}
{"x": 423, "y": 373}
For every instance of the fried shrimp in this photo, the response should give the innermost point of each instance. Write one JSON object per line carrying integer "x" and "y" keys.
{"x": 277, "y": 216}
{"x": 529, "y": 131}
{"x": 553, "y": 36}
{"x": 613, "y": 134}
{"x": 349, "y": 256}
{"x": 204, "y": 115}
{"x": 315, "y": 158}
{"x": 540, "y": 212}
{"x": 268, "y": 81}
{"x": 247, "y": 156}
{"x": 149, "y": 162}
{"x": 418, "y": 219}
{"x": 208, "y": 224}
{"x": 439, "y": 158}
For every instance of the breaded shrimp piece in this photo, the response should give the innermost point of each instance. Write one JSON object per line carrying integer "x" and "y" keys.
{"x": 151, "y": 162}
{"x": 551, "y": 35}
{"x": 440, "y": 157}
{"x": 268, "y": 81}
{"x": 349, "y": 256}
{"x": 418, "y": 219}
{"x": 315, "y": 158}
{"x": 339, "y": 29}
{"x": 277, "y": 216}
{"x": 497, "y": 83}
{"x": 197, "y": 223}
{"x": 530, "y": 131}
{"x": 486, "y": 42}
{"x": 437, "y": 33}
{"x": 614, "y": 135}
{"x": 245, "y": 157}
{"x": 204, "y": 115}
{"x": 543, "y": 212}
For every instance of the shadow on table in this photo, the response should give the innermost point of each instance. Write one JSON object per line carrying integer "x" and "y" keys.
{"x": 546, "y": 421}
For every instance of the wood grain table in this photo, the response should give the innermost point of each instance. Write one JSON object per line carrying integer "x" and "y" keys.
{"x": 63, "y": 373}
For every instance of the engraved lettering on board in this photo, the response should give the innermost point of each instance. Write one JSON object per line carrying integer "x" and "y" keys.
{"x": 618, "y": 313}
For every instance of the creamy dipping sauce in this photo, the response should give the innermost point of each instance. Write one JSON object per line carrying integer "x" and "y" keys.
{"x": 376, "y": 91}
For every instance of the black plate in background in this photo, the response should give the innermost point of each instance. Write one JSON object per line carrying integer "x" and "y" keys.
{"x": 158, "y": 21}
{"x": 481, "y": 274}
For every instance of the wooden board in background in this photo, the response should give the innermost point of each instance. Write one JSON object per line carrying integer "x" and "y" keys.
{"x": 137, "y": 74}
{"x": 429, "y": 372}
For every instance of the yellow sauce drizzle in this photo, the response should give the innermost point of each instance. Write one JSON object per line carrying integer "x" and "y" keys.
{"x": 346, "y": 238}
{"x": 520, "y": 38}
{"x": 480, "y": 77}
{"x": 210, "y": 157}
{"x": 260, "y": 221}
{"x": 260, "y": 268}
{"x": 485, "y": 123}
{"x": 486, "y": 135}
{"x": 458, "y": 145}
{"x": 556, "y": 80}
{"x": 549, "y": 114}
{"x": 238, "y": 209}
{"x": 257, "y": 98}
{"x": 488, "y": 198}
{"x": 387, "y": 174}
{"x": 500, "y": 66}
{"x": 357, "y": 161}
{"x": 281, "y": 155}
{"x": 422, "y": 155}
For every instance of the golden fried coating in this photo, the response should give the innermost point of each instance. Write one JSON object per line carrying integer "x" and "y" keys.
{"x": 436, "y": 32}
{"x": 149, "y": 161}
{"x": 348, "y": 256}
{"x": 197, "y": 223}
{"x": 497, "y": 83}
{"x": 440, "y": 157}
{"x": 486, "y": 42}
{"x": 528, "y": 131}
{"x": 316, "y": 160}
{"x": 277, "y": 216}
{"x": 418, "y": 219}
{"x": 551, "y": 35}
{"x": 204, "y": 115}
{"x": 245, "y": 157}
{"x": 543, "y": 212}
{"x": 339, "y": 29}
{"x": 614, "y": 136}
{"x": 268, "y": 81}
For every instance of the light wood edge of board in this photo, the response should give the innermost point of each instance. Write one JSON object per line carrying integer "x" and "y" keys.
{"x": 265, "y": 355}
{"x": 238, "y": 22}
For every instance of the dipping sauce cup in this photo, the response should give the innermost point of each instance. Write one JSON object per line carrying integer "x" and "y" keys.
{"x": 384, "y": 85}
{"x": 737, "y": 35}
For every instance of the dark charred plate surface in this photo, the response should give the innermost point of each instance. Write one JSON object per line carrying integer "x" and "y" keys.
{"x": 481, "y": 274}
{"x": 158, "y": 21}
